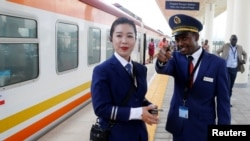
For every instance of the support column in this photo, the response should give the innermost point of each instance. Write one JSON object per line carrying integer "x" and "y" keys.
{"x": 229, "y": 20}
{"x": 241, "y": 21}
{"x": 209, "y": 21}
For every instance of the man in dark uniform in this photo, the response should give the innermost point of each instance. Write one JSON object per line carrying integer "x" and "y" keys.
{"x": 201, "y": 91}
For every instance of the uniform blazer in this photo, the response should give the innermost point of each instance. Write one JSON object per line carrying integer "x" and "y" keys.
{"x": 241, "y": 55}
{"x": 210, "y": 88}
{"x": 110, "y": 85}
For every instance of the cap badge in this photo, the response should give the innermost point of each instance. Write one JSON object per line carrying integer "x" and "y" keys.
{"x": 177, "y": 20}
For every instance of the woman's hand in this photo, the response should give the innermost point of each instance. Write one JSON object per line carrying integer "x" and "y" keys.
{"x": 148, "y": 117}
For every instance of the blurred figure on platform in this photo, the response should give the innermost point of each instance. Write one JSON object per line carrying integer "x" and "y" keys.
{"x": 163, "y": 43}
{"x": 206, "y": 46}
{"x": 151, "y": 50}
{"x": 235, "y": 56}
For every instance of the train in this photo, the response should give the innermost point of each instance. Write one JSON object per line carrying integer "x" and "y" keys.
{"x": 48, "y": 50}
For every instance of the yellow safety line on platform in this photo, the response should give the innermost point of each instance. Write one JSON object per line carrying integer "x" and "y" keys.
{"x": 155, "y": 94}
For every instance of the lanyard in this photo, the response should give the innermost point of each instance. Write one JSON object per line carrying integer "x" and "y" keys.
{"x": 234, "y": 51}
{"x": 190, "y": 77}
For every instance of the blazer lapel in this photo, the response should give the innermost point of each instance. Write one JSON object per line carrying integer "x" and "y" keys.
{"x": 203, "y": 67}
{"x": 184, "y": 67}
{"x": 117, "y": 67}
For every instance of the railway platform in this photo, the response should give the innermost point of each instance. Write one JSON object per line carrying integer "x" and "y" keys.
{"x": 160, "y": 88}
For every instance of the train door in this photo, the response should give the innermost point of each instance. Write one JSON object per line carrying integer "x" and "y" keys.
{"x": 138, "y": 54}
{"x": 144, "y": 49}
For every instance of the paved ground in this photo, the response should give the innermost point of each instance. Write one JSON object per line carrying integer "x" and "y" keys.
{"x": 240, "y": 110}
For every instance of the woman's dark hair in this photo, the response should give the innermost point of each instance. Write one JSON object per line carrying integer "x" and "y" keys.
{"x": 121, "y": 20}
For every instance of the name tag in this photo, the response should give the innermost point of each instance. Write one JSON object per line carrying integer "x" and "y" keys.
{"x": 183, "y": 112}
{"x": 208, "y": 79}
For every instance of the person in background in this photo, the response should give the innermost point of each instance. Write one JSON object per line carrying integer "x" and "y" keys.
{"x": 202, "y": 43}
{"x": 206, "y": 46}
{"x": 235, "y": 57}
{"x": 201, "y": 94}
{"x": 162, "y": 43}
{"x": 112, "y": 83}
{"x": 173, "y": 46}
{"x": 151, "y": 50}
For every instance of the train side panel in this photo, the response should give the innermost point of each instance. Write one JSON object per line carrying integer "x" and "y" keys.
{"x": 36, "y": 103}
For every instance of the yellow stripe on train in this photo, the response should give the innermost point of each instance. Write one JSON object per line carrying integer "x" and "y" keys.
{"x": 30, "y": 112}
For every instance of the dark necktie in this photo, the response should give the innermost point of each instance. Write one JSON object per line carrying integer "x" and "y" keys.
{"x": 190, "y": 70}
{"x": 128, "y": 68}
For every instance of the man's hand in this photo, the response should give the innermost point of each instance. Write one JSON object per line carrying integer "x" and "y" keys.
{"x": 242, "y": 62}
{"x": 164, "y": 54}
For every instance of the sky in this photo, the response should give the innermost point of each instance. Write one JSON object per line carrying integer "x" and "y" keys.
{"x": 152, "y": 16}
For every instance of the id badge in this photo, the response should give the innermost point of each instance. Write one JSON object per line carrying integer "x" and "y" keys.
{"x": 183, "y": 112}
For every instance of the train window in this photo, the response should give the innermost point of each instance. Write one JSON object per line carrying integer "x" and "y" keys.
{"x": 94, "y": 45}
{"x": 18, "y": 50}
{"x": 15, "y": 27}
{"x": 109, "y": 47}
{"x": 67, "y": 46}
